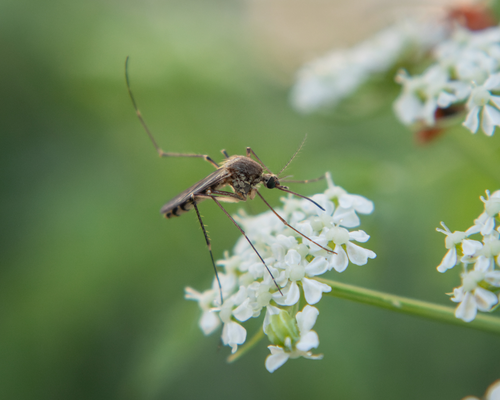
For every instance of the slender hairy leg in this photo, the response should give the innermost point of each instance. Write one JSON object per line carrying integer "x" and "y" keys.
{"x": 209, "y": 245}
{"x": 160, "y": 152}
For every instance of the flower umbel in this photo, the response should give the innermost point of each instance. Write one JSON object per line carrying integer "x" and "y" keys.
{"x": 481, "y": 283}
{"x": 295, "y": 262}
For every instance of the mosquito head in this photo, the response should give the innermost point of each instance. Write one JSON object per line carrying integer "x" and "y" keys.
{"x": 271, "y": 181}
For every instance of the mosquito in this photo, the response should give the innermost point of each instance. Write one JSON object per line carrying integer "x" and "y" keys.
{"x": 242, "y": 174}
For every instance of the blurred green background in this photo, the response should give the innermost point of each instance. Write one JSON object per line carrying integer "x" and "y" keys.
{"x": 92, "y": 278}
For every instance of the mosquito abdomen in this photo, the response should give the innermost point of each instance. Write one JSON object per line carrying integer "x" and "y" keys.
{"x": 178, "y": 209}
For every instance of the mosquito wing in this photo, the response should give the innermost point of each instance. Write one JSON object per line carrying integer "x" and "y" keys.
{"x": 182, "y": 202}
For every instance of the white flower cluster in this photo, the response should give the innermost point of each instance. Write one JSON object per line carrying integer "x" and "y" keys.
{"x": 249, "y": 290}
{"x": 466, "y": 73}
{"x": 329, "y": 79}
{"x": 481, "y": 283}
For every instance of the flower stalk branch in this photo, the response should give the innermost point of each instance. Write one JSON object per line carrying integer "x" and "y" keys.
{"x": 405, "y": 305}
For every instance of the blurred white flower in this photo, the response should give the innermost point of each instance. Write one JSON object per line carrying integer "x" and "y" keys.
{"x": 467, "y": 67}
{"x": 329, "y": 79}
{"x": 485, "y": 223}
{"x": 493, "y": 393}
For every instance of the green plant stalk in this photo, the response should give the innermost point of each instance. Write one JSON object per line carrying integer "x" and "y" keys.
{"x": 247, "y": 346}
{"x": 486, "y": 323}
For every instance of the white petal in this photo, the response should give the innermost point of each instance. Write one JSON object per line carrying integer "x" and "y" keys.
{"x": 313, "y": 290}
{"x": 467, "y": 310}
{"x": 482, "y": 264}
{"x": 493, "y": 392}
{"x": 472, "y": 120}
{"x": 490, "y": 117}
{"x": 429, "y": 111}
{"x": 318, "y": 266}
{"x": 233, "y": 334}
{"x": 270, "y": 310}
{"x": 292, "y": 257}
{"x": 493, "y": 278}
{"x": 445, "y": 99}
{"x": 458, "y": 295}
{"x": 291, "y": 295}
{"x": 488, "y": 226}
{"x": 307, "y": 342}
{"x": 209, "y": 322}
{"x": 493, "y": 82}
{"x": 276, "y": 359}
{"x": 339, "y": 261}
{"x": 346, "y": 217}
{"x": 485, "y": 299}
{"x": 408, "y": 108}
{"x": 449, "y": 260}
{"x": 359, "y": 236}
{"x": 244, "y": 311}
{"x": 359, "y": 255}
{"x": 469, "y": 246}
{"x": 495, "y": 100}
{"x": 306, "y": 318}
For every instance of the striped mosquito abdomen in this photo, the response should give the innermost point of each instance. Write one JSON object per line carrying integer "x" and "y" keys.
{"x": 178, "y": 210}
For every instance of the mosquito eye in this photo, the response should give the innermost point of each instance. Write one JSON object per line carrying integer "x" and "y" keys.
{"x": 271, "y": 183}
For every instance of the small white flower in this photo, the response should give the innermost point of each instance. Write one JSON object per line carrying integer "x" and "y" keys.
{"x": 419, "y": 98}
{"x": 209, "y": 320}
{"x": 472, "y": 297}
{"x": 307, "y": 341}
{"x": 299, "y": 270}
{"x": 452, "y": 240}
{"x": 481, "y": 101}
{"x": 485, "y": 223}
{"x": 345, "y": 249}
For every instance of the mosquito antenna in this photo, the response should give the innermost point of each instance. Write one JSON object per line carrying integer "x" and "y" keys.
{"x": 284, "y": 189}
{"x": 139, "y": 115}
{"x": 302, "y": 181}
{"x": 294, "y": 155}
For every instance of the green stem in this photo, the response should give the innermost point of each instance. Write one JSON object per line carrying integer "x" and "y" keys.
{"x": 247, "y": 346}
{"x": 405, "y": 305}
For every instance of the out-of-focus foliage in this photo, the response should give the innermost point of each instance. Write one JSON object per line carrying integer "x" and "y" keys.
{"x": 91, "y": 278}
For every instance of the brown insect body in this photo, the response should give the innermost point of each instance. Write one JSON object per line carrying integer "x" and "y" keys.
{"x": 241, "y": 173}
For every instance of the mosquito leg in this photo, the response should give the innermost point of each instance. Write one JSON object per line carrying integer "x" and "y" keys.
{"x": 287, "y": 224}
{"x": 246, "y": 237}
{"x": 209, "y": 245}
{"x": 305, "y": 181}
{"x": 160, "y": 152}
{"x": 223, "y": 193}
{"x": 204, "y": 156}
{"x": 251, "y": 152}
